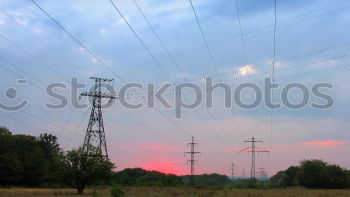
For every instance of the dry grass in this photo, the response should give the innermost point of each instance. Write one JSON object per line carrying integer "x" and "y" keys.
{"x": 26, "y": 192}
{"x": 175, "y": 192}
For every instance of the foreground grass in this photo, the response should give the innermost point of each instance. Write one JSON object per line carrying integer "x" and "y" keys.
{"x": 174, "y": 192}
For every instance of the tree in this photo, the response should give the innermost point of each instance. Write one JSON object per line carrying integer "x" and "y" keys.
{"x": 277, "y": 181}
{"x": 53, "y": 155}
{"x": 26, "y": 160}
{"x": 4, "y": 131}
{"x": 313, "y": 174}
{"x": 81, "y": 169}
{"x": 50, "y": 144}
{"x": 319, "y": 174}
{"x": 291, "y": 178}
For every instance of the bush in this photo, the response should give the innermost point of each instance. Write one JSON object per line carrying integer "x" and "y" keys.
{"x": 117, "y": 191}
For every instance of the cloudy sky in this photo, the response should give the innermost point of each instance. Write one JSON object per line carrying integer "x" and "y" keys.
{"x": 312, "y": 46}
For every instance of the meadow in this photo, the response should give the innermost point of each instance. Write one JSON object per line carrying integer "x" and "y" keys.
{"x": 174, "y": 192}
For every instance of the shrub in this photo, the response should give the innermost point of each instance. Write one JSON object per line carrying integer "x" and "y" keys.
{"x": 117, "y": 191}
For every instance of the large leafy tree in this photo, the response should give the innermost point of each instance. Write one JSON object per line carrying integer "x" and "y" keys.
{"x": 28, "y": 161}
{"x": 313, "y": 174}
{"x": 53, "y": 155}
{"x": 319, "y": 174}
{"x": 81, "y": 169}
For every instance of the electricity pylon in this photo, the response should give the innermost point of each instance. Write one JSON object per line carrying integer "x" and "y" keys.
{"x": 192, "y": 160}
{"x": 253, "y": 149}
{"x": 262, "y": 173}
{"x": 232, "y": 170}
{"x": 95, "y": 133}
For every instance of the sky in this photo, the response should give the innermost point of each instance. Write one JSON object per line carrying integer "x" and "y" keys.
{"x": 311, "y": 46}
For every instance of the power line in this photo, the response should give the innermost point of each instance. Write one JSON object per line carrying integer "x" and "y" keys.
{"x": 79, "y": 42}
{"x": 149, "y": 52}
{"x": 32, "y": 115}
{"x": 51, "y": 114}
{"x": 241, "y": 32}
{"x": 221, "y": 43}
{"x": 273, "y": 70}
{"x": 127, "y": 153}
{"x": 205, "y": 40}
{"x": 160, "y": 40}
{"x": 42, "y": 41}
{"x": 139, "y": 39}
{"x": 244, "y": 53}
{"x": 75, "y": 39}
{"x": 48, "y": 122}
{"x": 168, "y": 53}
{"x": 33, "y": 57}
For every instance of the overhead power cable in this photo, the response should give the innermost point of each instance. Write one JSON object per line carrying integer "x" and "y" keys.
{"x": 205, "y": 41}
{"x": 273, "y": 68}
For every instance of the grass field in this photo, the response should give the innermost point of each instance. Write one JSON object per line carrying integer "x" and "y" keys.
{"x": 175, "y": 192}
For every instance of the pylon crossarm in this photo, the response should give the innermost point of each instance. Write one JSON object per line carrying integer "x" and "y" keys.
{"x": 243, "y": 150}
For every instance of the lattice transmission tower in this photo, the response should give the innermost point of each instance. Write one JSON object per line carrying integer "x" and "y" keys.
{"x": 192, "y": 160}
{"x": 253, "y": 150}
{"x": 232, "y": 170}
{"x": 95, "y": 132}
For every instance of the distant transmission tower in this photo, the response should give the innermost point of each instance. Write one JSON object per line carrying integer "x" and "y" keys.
{"x": 243, "y": 173}
{"x": 262, "y": 173}
{"x": 192, "y": 160}
{"x": 95, "y": 133}
{"x": 253, "y": 149}
{"x": 232, "y": 170}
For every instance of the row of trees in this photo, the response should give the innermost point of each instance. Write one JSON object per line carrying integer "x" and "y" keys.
{"x": 141, "y": 177}
{"x": 40, "y": 162}
{"x": 27, "y": 160}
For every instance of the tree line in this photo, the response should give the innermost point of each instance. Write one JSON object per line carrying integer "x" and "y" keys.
{"x": 40, "y": 162}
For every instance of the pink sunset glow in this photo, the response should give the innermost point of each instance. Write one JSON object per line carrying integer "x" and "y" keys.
{"x": 164, "y": 167}
{"x": 326, "y": 143}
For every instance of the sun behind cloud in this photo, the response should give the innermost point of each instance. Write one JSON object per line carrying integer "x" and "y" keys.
{"x": 247, "y": 69}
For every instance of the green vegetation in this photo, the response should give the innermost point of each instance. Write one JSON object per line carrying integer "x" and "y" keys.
{"x": 117, "y": 191}
{"x": 39, "y": 162}
{"x": 28, "y": 161}
{"x": 80, "y": 169}
{"x": 175, "y": 192}
{"x": 209, "y": 179}
{"x": 313, "y": 174}
{"x": 141, "y": 177}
